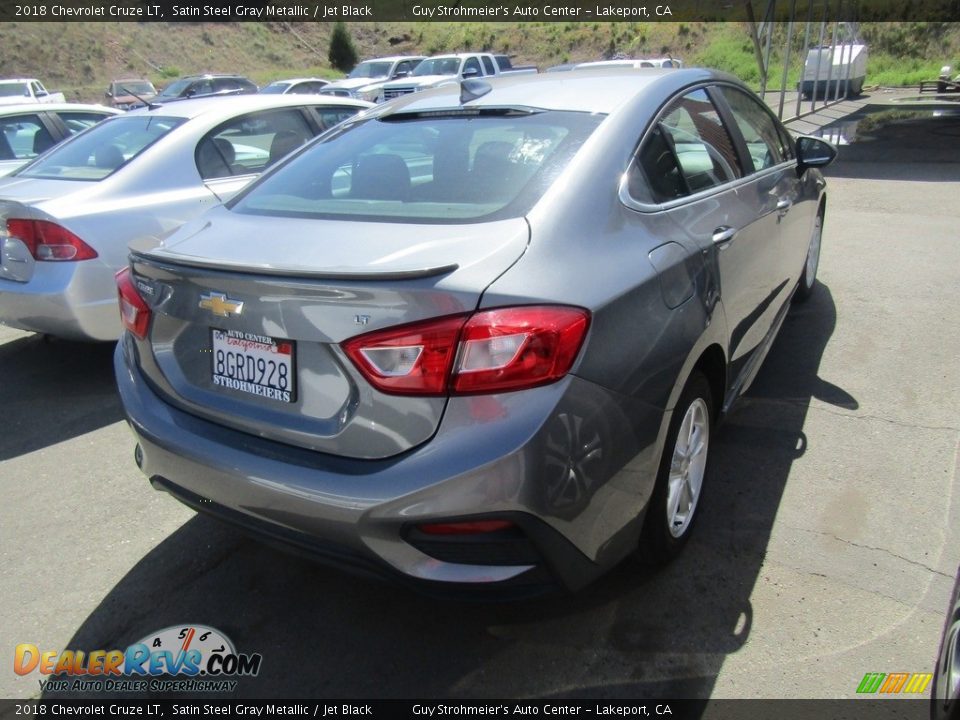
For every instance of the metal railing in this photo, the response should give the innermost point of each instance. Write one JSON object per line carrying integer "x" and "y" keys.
{"x": 843, "y": 35}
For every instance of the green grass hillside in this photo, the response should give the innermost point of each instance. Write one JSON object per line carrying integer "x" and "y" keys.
{"x": 81, "y": 58}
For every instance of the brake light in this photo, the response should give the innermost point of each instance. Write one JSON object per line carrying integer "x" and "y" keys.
{"x": 48, "y": 241}
{"x": 490, "y": 351}
{"x": 134, "y": 312}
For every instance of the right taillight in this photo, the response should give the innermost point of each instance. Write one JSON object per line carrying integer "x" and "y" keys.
{"x": 134, "y": 312}
{"x": 490, "y": 351}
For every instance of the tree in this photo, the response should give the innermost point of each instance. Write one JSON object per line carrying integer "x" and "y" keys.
{"x": 342, "y": 55}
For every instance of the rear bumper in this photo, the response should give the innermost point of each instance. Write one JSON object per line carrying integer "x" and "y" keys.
{"x": 72, "y": 300}
{"x": 486, "y": 460}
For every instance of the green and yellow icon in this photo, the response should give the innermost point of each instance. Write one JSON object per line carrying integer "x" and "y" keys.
{"x": 894, "y": 683}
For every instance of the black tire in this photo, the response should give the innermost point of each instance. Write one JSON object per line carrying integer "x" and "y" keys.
{"x": 661, "y": 540}
{"x": 808, "y": 279}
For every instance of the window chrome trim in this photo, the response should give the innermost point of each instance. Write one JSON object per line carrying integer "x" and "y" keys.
{"x": 633, "y": 204}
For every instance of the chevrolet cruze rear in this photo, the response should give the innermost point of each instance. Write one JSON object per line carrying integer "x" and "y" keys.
{"x": 454, "y": 341}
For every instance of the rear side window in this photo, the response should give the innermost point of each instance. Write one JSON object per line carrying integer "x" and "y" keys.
{"x": 24, "y": 137}
{"x": 688, "y": 151}
{"x": 106, "y": 147}
{"x": 77, "y": 121}
{"x": 488, "y": 65}
{"x": 764, "y": 141}
{"x": 433, "y": 168}
{"x": 251, "y": 143}
{"x": 472, "y": 64}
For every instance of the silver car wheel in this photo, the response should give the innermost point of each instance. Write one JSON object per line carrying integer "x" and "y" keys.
{"x": 687, "y": 467}
{"x": 813, "y": 253}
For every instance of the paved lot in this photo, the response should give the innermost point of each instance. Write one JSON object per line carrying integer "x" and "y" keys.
{"x": 829, "y": 537}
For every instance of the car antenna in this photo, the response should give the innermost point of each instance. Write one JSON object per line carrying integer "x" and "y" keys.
{"x": 147, "y": 103}
{"x": 473, "y": 89}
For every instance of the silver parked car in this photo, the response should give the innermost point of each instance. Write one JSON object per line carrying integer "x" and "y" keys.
{"x": 480, "y": 335}
{"x": 67, "y": 218}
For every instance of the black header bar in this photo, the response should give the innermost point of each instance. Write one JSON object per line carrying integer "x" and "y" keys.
{"x": 469, "y": 10}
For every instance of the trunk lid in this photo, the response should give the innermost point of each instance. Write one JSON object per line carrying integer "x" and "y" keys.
{"x": 292, "y": 290}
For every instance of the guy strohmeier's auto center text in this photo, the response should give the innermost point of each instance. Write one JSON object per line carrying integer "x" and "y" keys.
{"x": 324, "y": 11}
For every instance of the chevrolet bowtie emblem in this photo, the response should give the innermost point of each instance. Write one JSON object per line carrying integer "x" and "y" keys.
{"x": 218, "y": 304}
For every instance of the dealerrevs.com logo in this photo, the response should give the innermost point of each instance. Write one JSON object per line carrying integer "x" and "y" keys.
{"x": 180, "y": 658}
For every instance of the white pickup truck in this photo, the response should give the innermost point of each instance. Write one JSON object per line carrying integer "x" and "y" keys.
{"x": 26, "y": 90}
{"x": 442, "y": 69}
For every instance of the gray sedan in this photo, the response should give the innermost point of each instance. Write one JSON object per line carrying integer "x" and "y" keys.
{"x": 67, "y": 218}
{"x": 480, "y": 336}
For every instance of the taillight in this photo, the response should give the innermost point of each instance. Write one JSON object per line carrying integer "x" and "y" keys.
{"x": 514, "y": 348}
{"x": 48, "y": 241}
{"x": 134, "y": 312}
{"x": 410, "y": 359}
{"x": 490, "y": 351}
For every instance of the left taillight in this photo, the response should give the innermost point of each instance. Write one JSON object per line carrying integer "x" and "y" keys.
{"x": 490, "y": 351}
{"x": 49, "y": 242}
{"x": 134, "y": 312}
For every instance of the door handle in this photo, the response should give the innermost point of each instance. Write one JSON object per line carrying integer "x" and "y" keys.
{"x": 723, "y": 235}
{"x": 783, "y": 206}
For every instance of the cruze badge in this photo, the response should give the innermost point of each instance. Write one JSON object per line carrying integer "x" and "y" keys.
{"x": 219, "y": 304}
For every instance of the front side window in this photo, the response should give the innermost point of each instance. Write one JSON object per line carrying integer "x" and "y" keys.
{"x": 438, "y": 66}
{"x": 688, "y": 151}
{"x": 764, "y": 143}
{"x": 447, "y": 168}
{"x": 106, "y": 147}
{"x": 249, "y": 144}
{"x": 472, "y": 64}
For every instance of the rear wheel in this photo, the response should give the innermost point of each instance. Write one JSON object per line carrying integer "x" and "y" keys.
{"x": 679, "y": 484}
{"x": 809, "y": 277}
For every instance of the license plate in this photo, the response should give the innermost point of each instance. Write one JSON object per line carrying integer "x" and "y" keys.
{"x": 253, "y": 364}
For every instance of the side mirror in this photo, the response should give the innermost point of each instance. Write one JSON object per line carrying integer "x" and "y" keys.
{"x": 399, "y": 74}
{"x": 472, "y": 72}
{"x": 813, "y": 152}
{"x": 108, "y": 94}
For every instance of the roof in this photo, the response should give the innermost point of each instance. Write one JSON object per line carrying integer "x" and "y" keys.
{"x": 297, "y": 80}
{"x": 232, "y": 104}
{"x": 393, "y": 58}
{"x": 33, "y": 107}
{"x": 599, "y": 90}
{"x": 456, "y": 55}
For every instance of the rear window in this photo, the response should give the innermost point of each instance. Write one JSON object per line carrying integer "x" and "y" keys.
{"x": 445, "y": 168}
{"x": 102, "y": 149}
